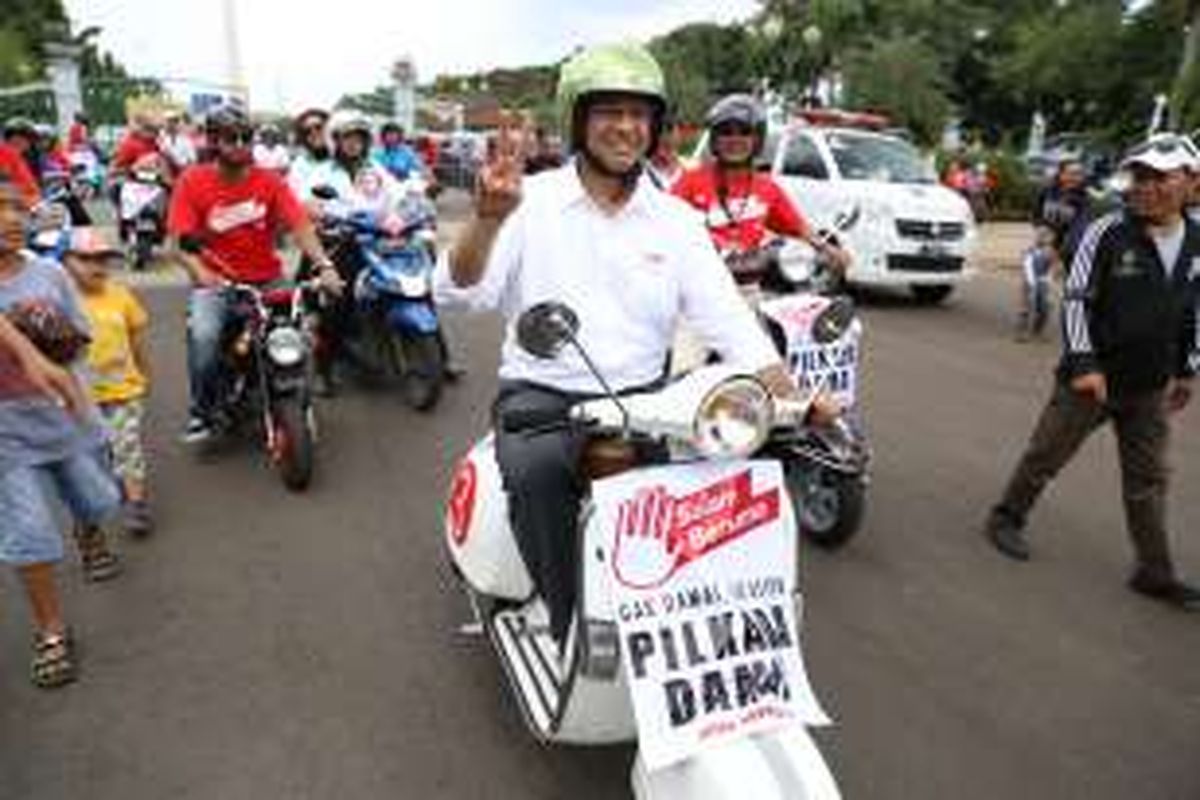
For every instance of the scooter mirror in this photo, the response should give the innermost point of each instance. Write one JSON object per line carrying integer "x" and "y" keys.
{"x": 847, "y": 219}
{"x": 545, "y": 329}
{"x": 325, "y": 192}
{"x": 831, "y": 323}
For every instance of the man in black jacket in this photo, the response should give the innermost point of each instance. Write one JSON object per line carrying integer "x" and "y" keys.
{"x": 1130, "y": 351}
{"x": 1063, "y": 206}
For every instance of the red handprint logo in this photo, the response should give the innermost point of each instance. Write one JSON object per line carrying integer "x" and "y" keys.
{"x": 646, "y": 553}
{"x": 657, "y": 534}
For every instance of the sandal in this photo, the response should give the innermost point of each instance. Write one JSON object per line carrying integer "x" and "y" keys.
{"x": 53, "y": 663}
{"x": 99, "y": 563}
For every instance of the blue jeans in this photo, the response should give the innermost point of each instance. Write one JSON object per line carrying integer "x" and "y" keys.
{"x": 30, "y": 533}
{"x": 209, "y": 312}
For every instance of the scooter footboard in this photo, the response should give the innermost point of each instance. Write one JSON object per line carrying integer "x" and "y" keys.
{"x": 785, "y": 765}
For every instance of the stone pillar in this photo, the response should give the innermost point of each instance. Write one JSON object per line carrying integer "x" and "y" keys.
{"x": 62, "y": 68}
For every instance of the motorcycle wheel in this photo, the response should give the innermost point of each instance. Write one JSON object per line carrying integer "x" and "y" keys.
{"x": 293, "y": 444}
{"x": 829, "y": 505}
{"x": 424, "y": 370}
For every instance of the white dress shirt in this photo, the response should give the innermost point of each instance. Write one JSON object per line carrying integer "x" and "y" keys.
{"x": 629, "y": 275}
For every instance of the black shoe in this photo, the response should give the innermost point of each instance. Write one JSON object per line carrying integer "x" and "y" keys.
{"x": 1172, "y": 591}
{"x": 1007, "y": 537}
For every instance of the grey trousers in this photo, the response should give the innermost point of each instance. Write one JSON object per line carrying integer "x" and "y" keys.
{"x": 539, "y": 464}
{"x": 1140, "y": 423}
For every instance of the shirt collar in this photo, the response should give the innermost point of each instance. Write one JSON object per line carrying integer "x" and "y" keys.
{"x": 571, "y": 192}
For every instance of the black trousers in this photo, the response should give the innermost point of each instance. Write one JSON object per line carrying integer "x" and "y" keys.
{"x": 1140, "y": 423}
{"x": 539, "y": 463}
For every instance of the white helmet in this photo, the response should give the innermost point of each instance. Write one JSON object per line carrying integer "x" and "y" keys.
{"x": 347, "y": 121}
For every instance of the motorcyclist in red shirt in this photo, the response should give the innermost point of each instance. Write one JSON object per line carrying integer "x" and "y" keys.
{"x": 230, "y": 210}
{"x": 742, "y": 206}
{"x": 13, "y": 166}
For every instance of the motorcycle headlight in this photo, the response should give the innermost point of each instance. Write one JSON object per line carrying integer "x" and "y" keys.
{"x": 414, "y": 285}
{"x": 285, "y": 347}
{"x": 734, "y": 419}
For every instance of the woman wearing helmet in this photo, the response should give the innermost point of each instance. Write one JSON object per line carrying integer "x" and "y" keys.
{"x": 361, "y": 185}
{"x": 629, "y": 258}
{"x": 742, "y": 206}
{"x": 312, "y": 149}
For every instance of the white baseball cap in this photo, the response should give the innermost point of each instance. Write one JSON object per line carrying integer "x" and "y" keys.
{"x": 1164, "y": 152}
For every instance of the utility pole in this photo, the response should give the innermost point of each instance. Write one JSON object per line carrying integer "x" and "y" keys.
{"x": 233, "y": 53}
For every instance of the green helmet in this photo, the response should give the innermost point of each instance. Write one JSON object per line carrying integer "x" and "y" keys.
{"x": 625, "y": 68}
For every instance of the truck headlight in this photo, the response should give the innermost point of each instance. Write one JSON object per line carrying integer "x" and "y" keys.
{"x": 734, "y": 419}
{"x": 285, "y": 347}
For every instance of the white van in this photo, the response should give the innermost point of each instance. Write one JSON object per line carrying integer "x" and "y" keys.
{"x": 912, "y": 231}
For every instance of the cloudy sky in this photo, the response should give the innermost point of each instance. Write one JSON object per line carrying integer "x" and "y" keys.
{"x": 293, "y": 56}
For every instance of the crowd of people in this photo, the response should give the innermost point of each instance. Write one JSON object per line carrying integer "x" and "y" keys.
{"x": 622, "y": 230}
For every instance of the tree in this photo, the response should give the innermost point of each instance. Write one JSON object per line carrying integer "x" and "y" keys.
{"x": 1185, "y": 95}
{"x": 900, "y": 75}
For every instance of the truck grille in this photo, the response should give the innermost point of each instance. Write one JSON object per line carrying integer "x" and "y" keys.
{"x": 903, "y": 263}
{"x": 929, "y": 231}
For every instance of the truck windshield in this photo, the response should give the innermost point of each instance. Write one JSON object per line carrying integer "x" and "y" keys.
{"x": 867, "y": 157}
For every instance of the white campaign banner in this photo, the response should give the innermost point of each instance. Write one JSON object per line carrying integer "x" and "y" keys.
{"x": 702, "y": 564}
{"x": 832, "y": 367}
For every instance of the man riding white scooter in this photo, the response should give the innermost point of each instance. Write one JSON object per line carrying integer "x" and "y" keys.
{"x": 742, "y": 207}
{"x": 598, "y": 235}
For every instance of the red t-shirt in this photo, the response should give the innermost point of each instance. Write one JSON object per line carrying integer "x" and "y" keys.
{"x": 131, "y": 148}
{"x": 77, "y": 136}
{"x": 236, "y": 221}
{"x": 754, "y": 206}
{"x": 14, "y": 166}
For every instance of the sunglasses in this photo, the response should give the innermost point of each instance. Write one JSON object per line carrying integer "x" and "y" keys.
{"x": 235, "y": 138}
{"x": 734, "y": 129}
{"x": 1165, "y": 145}
{"x": 309, "y": 130}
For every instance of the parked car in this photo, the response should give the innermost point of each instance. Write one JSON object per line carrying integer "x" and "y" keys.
{"x": 913, "y": 231}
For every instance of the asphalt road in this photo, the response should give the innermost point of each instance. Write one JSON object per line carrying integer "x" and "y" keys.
{"x": 265, "y": 645}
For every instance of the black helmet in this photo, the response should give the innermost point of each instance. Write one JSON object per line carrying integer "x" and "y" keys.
{"x": 391, "y": 126}
{"x": 741, "y": 109}
{"x": 20, "y": 126}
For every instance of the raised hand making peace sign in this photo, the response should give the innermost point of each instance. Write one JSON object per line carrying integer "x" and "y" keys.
{"x": 498, "y": 187}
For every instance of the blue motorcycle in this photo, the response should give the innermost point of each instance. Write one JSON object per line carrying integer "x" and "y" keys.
{"x": 392, "y": 326}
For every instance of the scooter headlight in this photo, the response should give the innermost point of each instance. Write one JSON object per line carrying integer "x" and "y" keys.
{"x": 285, "y": 347}
{"x": 734, "y": 419}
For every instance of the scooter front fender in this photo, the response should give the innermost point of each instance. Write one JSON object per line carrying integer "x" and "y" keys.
{"x": 412, "y": 316}
{"x": 785, "y": 765}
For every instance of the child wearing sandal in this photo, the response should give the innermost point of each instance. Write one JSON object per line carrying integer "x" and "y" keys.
{"x": 118, "y": 364}
{"x": 44, "y": 444}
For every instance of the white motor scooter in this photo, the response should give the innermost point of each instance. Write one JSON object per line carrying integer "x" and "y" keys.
{"x": 685, "y": 635}
{"x": 143, "y": 209}
{"x": 818, "y": 335}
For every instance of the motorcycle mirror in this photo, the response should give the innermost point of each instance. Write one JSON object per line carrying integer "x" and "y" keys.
{"x": 325, "y": 192}
{"x": 831, "y": 323}
{"x": 546, "y": 328}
